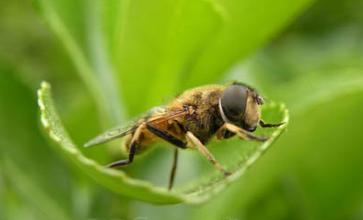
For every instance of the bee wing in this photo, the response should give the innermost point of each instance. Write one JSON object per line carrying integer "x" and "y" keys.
{"x": 165, "y": 116}
{"x": 109, "y": 135}
{"x": 156, "y": 116}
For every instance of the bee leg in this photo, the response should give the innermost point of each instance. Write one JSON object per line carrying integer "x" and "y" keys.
{"x": 125, "y": 161}
{"x": 132, "y": 150}
{"x": 266, "y": 125}
{"x": 243, "y": 133}
{"x": 172, "y": 140}
{"x": 194, "y": 141}
{"x": 166, "y": 136}
{"x": 173, "y": 169}
{"x": 224, "y": 133}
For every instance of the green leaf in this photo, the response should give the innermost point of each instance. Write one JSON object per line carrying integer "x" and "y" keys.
{"x": 97, "y": 75}
{"x": 160, "y": 47}
{"x": 33, "y": 193}
{"x": 156, "y": 42}
{"x": 123, "y": 184}
{"x": 163, "y": 47}
{"x": 23, "y": 145}
{"x": 247, "y": 26}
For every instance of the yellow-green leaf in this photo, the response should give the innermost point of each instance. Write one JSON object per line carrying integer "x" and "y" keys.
{"x": 120, "y": 182}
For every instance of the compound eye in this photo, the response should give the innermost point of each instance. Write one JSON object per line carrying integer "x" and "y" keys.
{"x": 233, "y": 102}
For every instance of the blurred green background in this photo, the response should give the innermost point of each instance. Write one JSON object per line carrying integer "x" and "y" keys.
{"x": 110, "y": 60}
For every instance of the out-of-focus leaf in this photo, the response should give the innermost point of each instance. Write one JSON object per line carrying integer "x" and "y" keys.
{"x": 97, "y": 77}
{"x": 22, "y": 144}
{"x": 327, "y": 15}
{"x": 156, "y": 43}
{"x": 248, "y": 25}
{"x": 166, "y": 46}
{"x": 314, "y": 90}
{"x": 302, "y": 60}
{"x": 121, "y": 183}
{"x": 32, "y": 193}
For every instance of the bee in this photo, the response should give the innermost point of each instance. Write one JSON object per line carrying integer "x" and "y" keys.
{"x": 191, "y": 120}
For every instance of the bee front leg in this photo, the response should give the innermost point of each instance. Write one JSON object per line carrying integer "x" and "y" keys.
{"x": 243, "y": 133}
{"x": 132, "y": 150}
{"x": 224, "y": 133}
{"x": 266, "y": 125}
{"x": 195, "y": 142}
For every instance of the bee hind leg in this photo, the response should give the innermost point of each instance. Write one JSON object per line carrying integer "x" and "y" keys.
{"x": 125, "y": 161}
{"x": 194, "y": 141}
{"x": 132, "y": 149}
{"x": 172, "y": 140}
{"x": 173, "y": 169}
{"x": 166, "y": 136}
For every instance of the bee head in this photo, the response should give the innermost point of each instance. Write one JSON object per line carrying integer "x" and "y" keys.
{"x": 240, "y": 105}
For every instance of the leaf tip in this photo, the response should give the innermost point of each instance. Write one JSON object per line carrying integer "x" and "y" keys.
{"x": 45, "y": 85}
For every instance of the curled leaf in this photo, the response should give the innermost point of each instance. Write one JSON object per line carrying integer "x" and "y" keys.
{"x": 121, "y": 183}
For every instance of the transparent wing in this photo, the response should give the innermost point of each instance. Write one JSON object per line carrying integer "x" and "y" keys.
{"x": 109, "y": 135}
{"x": 154, "y": 116}
{"x": 162, "y": 116}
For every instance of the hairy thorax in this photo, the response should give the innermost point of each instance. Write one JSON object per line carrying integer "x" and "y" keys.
{"x": 203, "y": 119}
